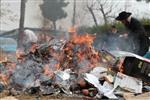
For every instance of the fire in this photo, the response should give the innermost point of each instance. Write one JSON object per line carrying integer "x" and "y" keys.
{"x": 120, "y": 66}
{"x": 72, "y": 30}
{"x": 87, "y": 38}
{"x": 76, "y": 54}
{"x": 33, "y": 47}
{"x": 57, "y": 66}
{"x": 79, "y": 49}
{"x": 9, "y": 68}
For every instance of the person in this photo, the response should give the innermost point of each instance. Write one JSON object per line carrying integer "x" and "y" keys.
{"x": 147, "y": 55}
{"x": 125, "y": 43}
{"x": 29, "y": 39}
{"x": 137, "y": 32}
{"x": 112, "y": 39}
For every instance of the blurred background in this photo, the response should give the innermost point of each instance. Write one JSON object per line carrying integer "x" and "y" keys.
{"x": 55, "y": 17}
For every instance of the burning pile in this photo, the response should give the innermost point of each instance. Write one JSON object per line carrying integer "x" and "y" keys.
{"x": 71, "y": 67}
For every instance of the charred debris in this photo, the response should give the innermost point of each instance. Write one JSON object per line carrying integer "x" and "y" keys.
{"x": 74, "y": 67}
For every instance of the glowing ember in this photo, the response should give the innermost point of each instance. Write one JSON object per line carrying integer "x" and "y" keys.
{"x": 120, "y": 65}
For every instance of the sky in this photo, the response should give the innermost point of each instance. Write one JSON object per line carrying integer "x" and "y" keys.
{"x": 33, "y": 17}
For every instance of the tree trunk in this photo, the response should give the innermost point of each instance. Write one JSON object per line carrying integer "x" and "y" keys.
{"x": 104, "y": 15}
{"x": 74, "y": 13}
{"x": 93, "y": 15}
{"x": 105, "y": 19}
{"x": 21, "y": 24}
{"x": 54, "y": 25}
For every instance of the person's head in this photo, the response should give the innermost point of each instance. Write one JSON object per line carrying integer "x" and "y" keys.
{"x": 113, "y": 29}
{"x": 30, "y": 35}
{"x": 123, "y": 17}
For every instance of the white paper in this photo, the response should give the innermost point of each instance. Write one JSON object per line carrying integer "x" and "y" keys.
{"x": 128, "y": 54}
{"x": 105, "y": 89}
{"x": 128, "y": 83}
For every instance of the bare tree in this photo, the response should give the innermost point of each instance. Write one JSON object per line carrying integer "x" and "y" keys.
{"x": 90, "y": 7}
{"x": 74, "y": 13}
{"x": 106, "y": 7}
{"x": 21, "y": 24}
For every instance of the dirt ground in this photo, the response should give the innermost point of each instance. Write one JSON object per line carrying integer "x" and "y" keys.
{"x": 5, "y": 96}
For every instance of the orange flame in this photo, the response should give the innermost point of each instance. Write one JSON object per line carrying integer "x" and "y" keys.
{"x": 72, "y": 30}
{"x": 33, "y": 47}
{"x": 57, "y": 66}
{"x": 9, "y": 67}
{"x": 120, "y": 66}
{"x": 87, "y": 38}
{"x": 84, "y": 52}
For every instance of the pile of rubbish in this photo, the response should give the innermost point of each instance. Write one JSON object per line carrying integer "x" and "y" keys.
{"x": 70, "y": 67}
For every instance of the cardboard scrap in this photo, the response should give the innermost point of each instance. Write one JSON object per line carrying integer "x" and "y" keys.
{"x": 131, "y": 96}
{"x": 128, "y": 83}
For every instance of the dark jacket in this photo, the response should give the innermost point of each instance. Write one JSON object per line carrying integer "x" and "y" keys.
{"x": 139, "y": 36}
{"x": 135, "y": 27}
